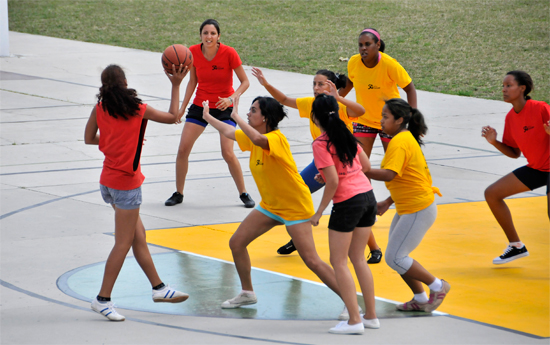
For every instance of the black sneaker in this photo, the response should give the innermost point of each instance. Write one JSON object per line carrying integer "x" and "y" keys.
{"x": 374, "y": 257}
{"x": 510, "y": 254}
{"x": 175, "y": 199}
{"x": 247, "y": 200}
{"x": 287, "y": 248}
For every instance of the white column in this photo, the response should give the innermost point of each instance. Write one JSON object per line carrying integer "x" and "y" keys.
{"x": 4, "y": 29}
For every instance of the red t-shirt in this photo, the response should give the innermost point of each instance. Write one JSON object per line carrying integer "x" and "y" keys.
{"x": 120, "y": 141}
{"x": 525, "y": 131}
{"x": 215, "y": 78}
{"x": 351, "y": 179}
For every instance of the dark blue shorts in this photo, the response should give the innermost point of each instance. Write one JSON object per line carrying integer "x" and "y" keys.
{"x": 533, "y": 178}
{"x": 194, "y": 115}
{"x": 359, "y": 211}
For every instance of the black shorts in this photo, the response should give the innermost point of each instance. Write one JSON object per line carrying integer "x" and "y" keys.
{"x": 533, "y": 178}
{"x": 359, "y": 211}
{"x": 194, "y": 115}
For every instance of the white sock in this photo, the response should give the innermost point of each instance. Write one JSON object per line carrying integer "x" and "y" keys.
{"x": 517, "y": 244}
{"x": 421, "y": 297}
{"x": 436, "y": 285}
{"x": 248, "y": 292}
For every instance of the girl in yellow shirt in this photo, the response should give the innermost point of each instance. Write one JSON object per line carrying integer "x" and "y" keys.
{"x": 406, "y": 173}
{"x": 285, "y": 197}
{"x": 375, "y": 77}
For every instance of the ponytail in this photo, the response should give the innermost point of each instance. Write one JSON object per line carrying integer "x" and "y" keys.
{"x": 115, "y": 97}
{"x": 339, "y": 80}
{"x": 413, "y": 119}
{"x": 523, "y": 78}
{"x": 325, "y": 111}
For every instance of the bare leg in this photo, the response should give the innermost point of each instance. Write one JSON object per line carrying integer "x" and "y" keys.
{"x": 339, "y": 243}
{"x": 252, "y": 227}
{"x": 232, "y": 162}
{"x": 416, "y": 275}
{"x": 143, "y": 256}
{"x": 189, "y": 135}
{"x": 125, "y": 229}
{"x": 367, "y": 143}
{"x": 302, "y": 237}
{"x": 362, "y": 270}
{"x": 495, "y": 194}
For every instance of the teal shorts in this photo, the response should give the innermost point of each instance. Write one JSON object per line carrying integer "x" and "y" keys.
{"x": 279, "y": 219}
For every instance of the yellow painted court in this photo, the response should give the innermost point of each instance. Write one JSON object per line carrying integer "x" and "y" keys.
{"x": 458, "y": 248}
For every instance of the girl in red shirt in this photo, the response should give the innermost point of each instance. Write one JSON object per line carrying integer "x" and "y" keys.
{"x": 525, "y": 131}
{"x": 212, "y": 76}
{"x": 121, "y": 118}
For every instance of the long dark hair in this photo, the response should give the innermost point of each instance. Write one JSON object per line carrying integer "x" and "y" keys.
{"x": 523, "y": 78}
{"x": 413, "y": 119}
{"x": 325, "y": 111}
{"x": 339, "y": 80}
{"x": 115, "y": 97}
{"x": 272, "y": 110}
{"x": 210, "y": 22}
{"x": 375, "y": 39}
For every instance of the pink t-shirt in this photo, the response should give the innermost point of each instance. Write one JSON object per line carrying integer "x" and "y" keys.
{"x": 215, "y": 77}
{"x": 351, "y": 179}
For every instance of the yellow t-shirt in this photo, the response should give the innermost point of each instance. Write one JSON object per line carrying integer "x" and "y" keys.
{"x": 304, "y": 108}
{"x": 375, "y": 85}
{"x": 283, "y": 190}
{"x": 411, "y": 189}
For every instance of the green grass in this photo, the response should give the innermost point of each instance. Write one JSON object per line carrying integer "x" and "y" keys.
{"x": 461, "y": 47}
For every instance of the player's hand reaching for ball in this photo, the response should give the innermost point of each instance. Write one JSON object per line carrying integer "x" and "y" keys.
{"x": 235, "y": 112}
{"x": 178, "y": 74}
{"x": 490, "y": 134}
{"x": 259, "y": 75}
{"x": 206, "y": 110}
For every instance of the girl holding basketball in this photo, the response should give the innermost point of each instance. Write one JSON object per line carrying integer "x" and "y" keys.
{"x": 324, "y": 82}
{"x": 212, "y": 76}
{"x": 407, "y": 177}
{"x": 285, "y": 197}
{"x": 526, "y": 130}
{"x": 121, "y": 118}
{"x": 342, "y": 164}
{"x": 375, "y": 77}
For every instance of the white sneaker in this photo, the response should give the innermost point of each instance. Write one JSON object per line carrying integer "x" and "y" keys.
{"x": 344, "y": 328}
{"x": 370, "y": 323}
{"x": 169, "y": 295}
{"x": 106, "y": 309}
{"x": 244, "y": 298}
{"x": 344, "y": 315}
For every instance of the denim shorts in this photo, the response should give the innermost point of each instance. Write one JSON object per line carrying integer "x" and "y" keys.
{"x": 123, "y": 199}
{"x": 194, "y": 115}
{"x": 358, "y": 211}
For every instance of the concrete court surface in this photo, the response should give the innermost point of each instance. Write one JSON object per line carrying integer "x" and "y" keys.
{"x": 53, "y": 219}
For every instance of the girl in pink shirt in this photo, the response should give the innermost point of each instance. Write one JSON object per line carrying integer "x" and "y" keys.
{"x": 342, "y": 163}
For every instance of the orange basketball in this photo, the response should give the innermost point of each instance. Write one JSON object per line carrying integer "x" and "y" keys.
{"x": 176, "y": 54}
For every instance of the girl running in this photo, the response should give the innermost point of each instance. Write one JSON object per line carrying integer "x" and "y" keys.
{"x": 324, "y": 82}
{"x": 526, "y": 131}
{"x": 375, "y": 77}
{"x": 407, "y": 177}
{"x": 342, "y": 164}
{"x": 212, "y": 71}
{"x": 285, "y": 197}
{"x": 121, "y": 118}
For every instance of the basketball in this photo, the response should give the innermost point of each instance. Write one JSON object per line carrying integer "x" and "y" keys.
{"x": 176, "y": 54}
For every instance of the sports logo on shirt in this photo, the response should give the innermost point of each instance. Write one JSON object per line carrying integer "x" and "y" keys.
{"x": 217, "y": 68}
{"x": 525, "y": 128}
{"x": 373, "y": 87}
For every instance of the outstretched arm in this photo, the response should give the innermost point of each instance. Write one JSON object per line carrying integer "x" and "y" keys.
{"x": 278, "y": 95}
{"x": 490, "y": 134}
{"x": 172, "y": 116}
{"x": 256, "y": 137}
{"x": 353, "y": 109}
{"x": 226, "y": 130}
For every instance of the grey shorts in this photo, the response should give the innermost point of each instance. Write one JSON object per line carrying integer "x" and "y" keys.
{"x": 123, "y": 199}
